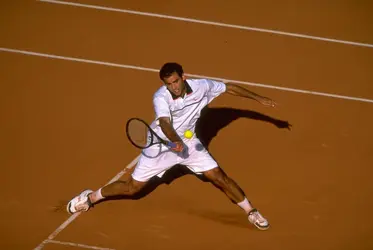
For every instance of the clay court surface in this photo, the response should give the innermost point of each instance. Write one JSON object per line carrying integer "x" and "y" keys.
{"x": 62, "y": 124}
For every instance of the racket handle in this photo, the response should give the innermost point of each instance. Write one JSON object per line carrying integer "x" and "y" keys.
{"x": 171, "y": 144}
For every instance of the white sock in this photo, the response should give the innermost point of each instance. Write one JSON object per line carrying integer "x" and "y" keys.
{"x": 245, "y": 205}
{"x": 99, "y": 194}
{"x": 96, "y": 196}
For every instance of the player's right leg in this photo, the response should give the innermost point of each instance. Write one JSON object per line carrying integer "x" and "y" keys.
{"x": 85, "y": 200}
{"x": 147, "y": 167}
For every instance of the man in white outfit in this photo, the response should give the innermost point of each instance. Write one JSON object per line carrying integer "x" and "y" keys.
{"x": 178, "y": 104}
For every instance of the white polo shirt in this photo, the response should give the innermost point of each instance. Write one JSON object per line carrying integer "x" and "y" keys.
{"x": 185, "y": 111}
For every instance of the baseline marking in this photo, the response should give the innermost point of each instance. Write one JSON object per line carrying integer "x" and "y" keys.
{"x": 77, "y": 245}
{"x": 74, "y": 216}
{"x": 192, "y": 20}
{"x": 310, "y": 92}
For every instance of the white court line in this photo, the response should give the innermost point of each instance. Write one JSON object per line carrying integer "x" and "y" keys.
{"x": 192, "y": 20}
{"x": 192, "y": 75}
{"x": 74, "y": 216}
{"x": 77, "y": 245}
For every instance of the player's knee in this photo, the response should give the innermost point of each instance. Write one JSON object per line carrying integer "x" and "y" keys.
{"x": 137, "y": 186}
{"x": 216, "y": 176}
{"x": 131, "y": 187}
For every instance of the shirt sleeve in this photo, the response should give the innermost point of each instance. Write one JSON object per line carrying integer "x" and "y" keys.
{"x": 214, "y": 89}
{"x": 161, "y": 107}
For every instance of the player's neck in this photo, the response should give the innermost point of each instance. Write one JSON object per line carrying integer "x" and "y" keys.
{"x": 183, "y": 92}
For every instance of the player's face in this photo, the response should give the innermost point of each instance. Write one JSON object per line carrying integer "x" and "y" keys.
{"x": 175, "y": 83}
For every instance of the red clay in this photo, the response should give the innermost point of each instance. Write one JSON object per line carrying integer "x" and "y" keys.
{"x": 62, "y": 126}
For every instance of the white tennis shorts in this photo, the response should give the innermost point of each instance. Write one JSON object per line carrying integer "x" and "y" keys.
{"x": 156, "y": 160}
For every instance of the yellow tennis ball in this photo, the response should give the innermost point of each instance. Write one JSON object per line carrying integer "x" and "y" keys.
{"x": 188, "y": 134}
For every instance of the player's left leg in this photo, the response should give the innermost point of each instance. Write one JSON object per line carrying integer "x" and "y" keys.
{"x": 221, "y": 180}
{"x": 200, "y": 161}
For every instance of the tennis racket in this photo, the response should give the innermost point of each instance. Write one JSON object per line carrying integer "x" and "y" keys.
{"x": 142, "y": 136}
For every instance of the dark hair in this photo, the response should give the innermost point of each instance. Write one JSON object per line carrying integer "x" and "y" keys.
{"x": 169, "y": 68}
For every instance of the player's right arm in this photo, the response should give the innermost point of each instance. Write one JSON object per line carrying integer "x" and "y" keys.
{"x": 162, "y": 112}
{"x": 169, "y": 131}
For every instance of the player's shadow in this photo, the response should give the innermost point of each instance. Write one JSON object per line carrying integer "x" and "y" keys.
{"x": 212, "y": 120}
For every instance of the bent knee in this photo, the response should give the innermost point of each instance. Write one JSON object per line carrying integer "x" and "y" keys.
{"x": 135, "y": 186}
{"x": 216, "y": 175}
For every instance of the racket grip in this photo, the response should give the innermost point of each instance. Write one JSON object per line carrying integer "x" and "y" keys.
{"x": 172, "y": 144}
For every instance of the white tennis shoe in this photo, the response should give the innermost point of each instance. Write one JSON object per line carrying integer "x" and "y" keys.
{"x": 80, "y": 203}
{"x": 258, "y": 220}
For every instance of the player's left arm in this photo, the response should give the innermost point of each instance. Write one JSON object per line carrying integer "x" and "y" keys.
{"x": 236, "y": 90}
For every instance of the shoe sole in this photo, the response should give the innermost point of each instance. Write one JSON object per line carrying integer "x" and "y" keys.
{"x": 68, "y": 208}
{"x": 261, "y": 227}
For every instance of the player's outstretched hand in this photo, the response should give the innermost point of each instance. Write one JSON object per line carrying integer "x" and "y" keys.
{"x": 179, "y": 146}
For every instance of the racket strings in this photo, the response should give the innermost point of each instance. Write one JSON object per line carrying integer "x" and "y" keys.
{"x": 138, "y": 133}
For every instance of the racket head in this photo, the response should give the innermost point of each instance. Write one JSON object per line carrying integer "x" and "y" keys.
{"x": 139, "y": 133}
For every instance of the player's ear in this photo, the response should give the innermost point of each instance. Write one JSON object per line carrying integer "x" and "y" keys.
{"x": 183, "y": 77}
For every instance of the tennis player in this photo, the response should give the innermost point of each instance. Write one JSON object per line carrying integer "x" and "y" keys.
{"x": 177, "y": 105}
